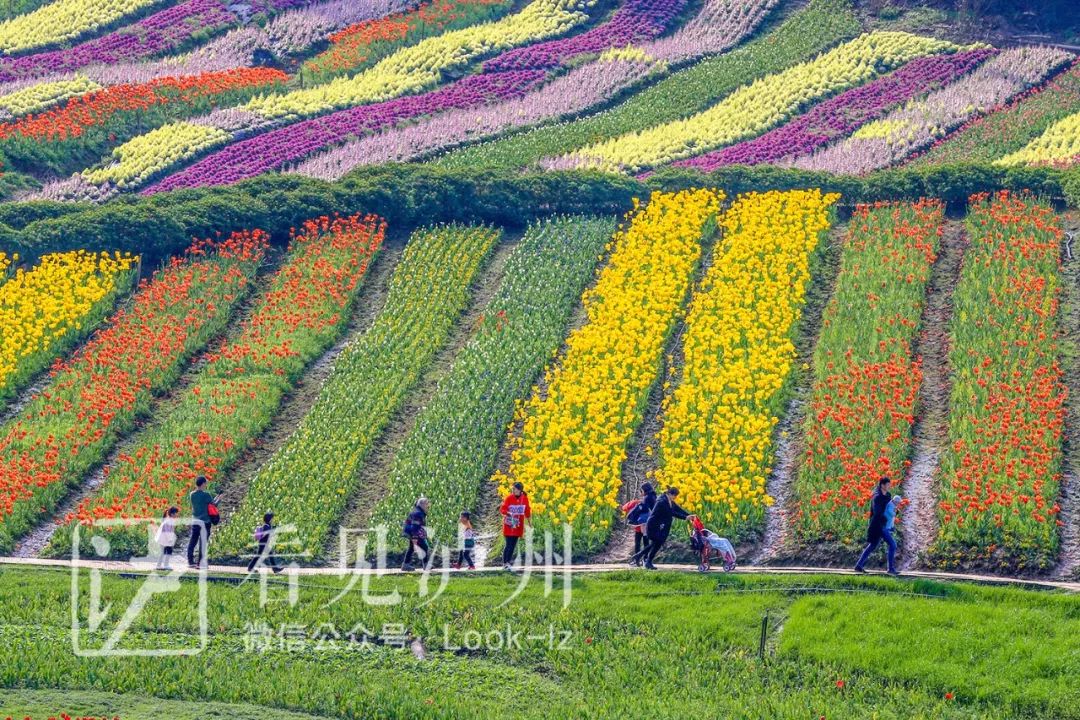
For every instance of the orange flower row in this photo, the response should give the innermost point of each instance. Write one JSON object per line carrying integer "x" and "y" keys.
{"x": 1001, "y": 473}
{"x": 83, "y": 111}
{"x": 858, "y": 427}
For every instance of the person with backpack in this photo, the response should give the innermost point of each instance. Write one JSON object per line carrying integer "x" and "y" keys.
{"x": 879, "y": 528}
{"x": 516, "y": 511}
{"x": 415, "y": 530}
{"x": 658, "y": 526}
{"x": 204, "y": 514}
{"x": 264, "y": 535}
{"x": 637, "y": 514}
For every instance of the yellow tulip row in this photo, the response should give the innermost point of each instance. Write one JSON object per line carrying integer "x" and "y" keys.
{"x": 577, "y": 424}
{"x": 63, "y": 20}
{"x": 40, "y": 96}
{"x": 716, "y": 440}
{"x": 755, "y": 108}
{"x": 1059, "y": 144}
{"x": 44, "y": 308}
{"x": 143, "y": 156}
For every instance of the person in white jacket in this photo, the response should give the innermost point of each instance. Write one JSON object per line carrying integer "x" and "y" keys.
{"x": 166, "y": 537}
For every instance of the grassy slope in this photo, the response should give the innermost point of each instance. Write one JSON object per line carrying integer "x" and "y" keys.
{"x": 641, "y": 645}
{"x": 51, "y": 703}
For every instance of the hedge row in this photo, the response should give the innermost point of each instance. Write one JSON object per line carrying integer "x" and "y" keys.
{"x": 412, "y": 195}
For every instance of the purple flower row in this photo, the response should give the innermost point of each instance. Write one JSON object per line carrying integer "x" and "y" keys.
{"x": 636, "y": 21}
{"x": 271, "y": 150}
{"x": 156, "y": 34}
{"x": 844, "y": 113}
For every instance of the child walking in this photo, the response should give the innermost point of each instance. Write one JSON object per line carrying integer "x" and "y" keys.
{"x": 468, "y": 541}
{"x": 166, "y": 537}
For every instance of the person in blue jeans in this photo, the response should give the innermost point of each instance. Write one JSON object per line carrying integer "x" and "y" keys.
{"x": 882, "y": 517}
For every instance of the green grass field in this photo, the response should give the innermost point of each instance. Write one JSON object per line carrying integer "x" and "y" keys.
{"x": 628, "y": 644}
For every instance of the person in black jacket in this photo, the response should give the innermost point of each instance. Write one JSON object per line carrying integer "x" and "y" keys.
{"x": 659, "y": 526}
{"x": 877, "y": 531}
{"x": 638, "y": 517}
{"x": 265, "y": 554}
{"x": 417, "y": 534}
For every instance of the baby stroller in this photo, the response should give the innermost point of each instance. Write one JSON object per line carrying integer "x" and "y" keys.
{"x": 710, "y": 546}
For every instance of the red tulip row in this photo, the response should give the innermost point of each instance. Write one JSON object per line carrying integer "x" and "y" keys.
{"x": 1001, "y": 472}
{"x": 94, "y": 397}
{"x": 858, "y": 426}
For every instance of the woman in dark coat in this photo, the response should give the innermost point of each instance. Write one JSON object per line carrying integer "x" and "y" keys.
{"x": 877, "y": 531}
{"x": 416, "y": 532}
{"x": 658, "y": 528}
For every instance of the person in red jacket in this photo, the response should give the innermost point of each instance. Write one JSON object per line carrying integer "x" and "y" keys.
{"x": 516, "y": 512}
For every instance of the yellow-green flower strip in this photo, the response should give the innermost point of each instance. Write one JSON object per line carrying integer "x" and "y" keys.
{"x": 308, "y": 481}
{"x": 141, "y": 157}
{"x": 1060, "y": 144}
{"x": 716, "y": 443}
{"x": 419, "y": 67}
{"x": 64, "y": 20}
{"x": 39, "y": 96}
{"x": 455, "y": 442}
{"x": 755, "y": 108}
{"x": 575, "y": 428}
{"x": 45, "y": 310}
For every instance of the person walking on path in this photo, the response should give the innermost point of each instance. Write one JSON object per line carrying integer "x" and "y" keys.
{"x": 637, "y": 512}
{"x": 201, "y": 502}
{"x": 516, "y": 512}
{"x": 658, "y": 527}
{"x": 468, "y": 541}
{"x": 166, "y": 537}
{"x": 264, "y": 535}
{"x": 880, "y": 527}
{"x": 416, "y": 531}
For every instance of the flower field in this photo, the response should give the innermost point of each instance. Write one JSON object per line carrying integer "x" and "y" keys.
{"x": 576, "y": 426}
{"x": 756, "y": 107}
{"x": 129, "y": 128}
{"x": 866, "y": 377}
{"x": 238, "y": 390}
{"x": 694, "y": 88}
{"x": 338, "y": 256}
{"x": 993, "y": 136}
{"x": 310, "y": 478}
{"x": 46, "y": 309}
{"x": 718, "y": 422}
{"x": 455, "y": 443}
{"x": 1002, "y": 470}
{"x": 95, "y": 396}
